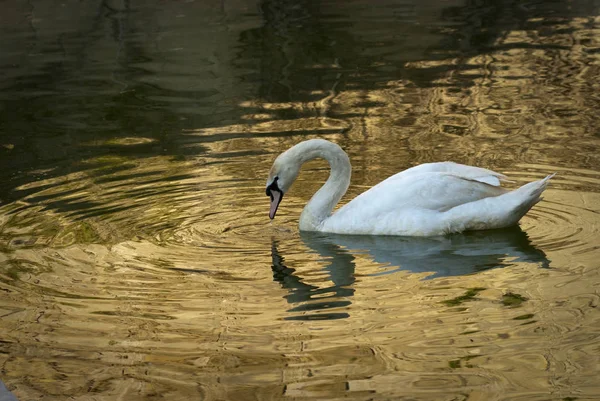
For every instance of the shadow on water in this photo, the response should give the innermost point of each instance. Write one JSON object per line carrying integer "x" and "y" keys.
{"x": 452, "y": 255}
{"x": 82, "y": 86}
{"x": 307, "y": 36}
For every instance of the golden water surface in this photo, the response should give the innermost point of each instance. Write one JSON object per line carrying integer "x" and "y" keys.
{"x": 137, "y": 260}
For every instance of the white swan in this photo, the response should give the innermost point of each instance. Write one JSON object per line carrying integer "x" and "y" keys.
{"x": 426, "y": 200}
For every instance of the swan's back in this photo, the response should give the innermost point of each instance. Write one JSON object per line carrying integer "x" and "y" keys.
{"x": 460, "y": 170}
{"x": 425, "y": 201}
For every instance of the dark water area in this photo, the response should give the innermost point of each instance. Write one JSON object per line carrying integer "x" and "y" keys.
{"x": 137, "y": 260}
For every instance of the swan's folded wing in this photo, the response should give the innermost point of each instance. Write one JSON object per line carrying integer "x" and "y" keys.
{"x": 445, "y": 191}
{"x": 431, "y": 191}
{"x": 460, "y": 170}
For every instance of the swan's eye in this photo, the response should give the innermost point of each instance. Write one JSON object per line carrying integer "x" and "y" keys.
{"x": 273, "y": 186}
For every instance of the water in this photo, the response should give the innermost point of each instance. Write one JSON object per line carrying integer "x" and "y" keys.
{"x": 137, "y": 260}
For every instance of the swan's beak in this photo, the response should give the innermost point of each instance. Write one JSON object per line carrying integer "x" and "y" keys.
{"x": 276, "y": 197}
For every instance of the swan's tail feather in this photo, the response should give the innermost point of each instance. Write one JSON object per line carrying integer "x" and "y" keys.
{"x": 536, "y": 188}
{"x": 527, "y": 196}
{"x": 497, "y": 212}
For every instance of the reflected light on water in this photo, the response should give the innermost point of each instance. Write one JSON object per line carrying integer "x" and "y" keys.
{"x": 137, "y": 259}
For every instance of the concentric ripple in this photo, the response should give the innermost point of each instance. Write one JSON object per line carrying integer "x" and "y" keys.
{"x": 567, "y": 219}
{"x": 137, "y": 259}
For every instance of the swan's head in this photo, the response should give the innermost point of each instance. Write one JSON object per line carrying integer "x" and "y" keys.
{"x": 282, "y": 175}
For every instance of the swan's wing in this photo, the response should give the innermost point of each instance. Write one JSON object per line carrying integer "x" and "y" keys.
{"x": 438, "y": 191}
{"x": 460, "y": 170}
{"x": 443, "y": 191}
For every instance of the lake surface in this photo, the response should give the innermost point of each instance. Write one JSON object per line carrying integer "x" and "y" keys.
{"x": 137, "y": 260}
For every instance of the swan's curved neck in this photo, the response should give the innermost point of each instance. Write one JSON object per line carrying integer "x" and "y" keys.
{"x": 324, "y": 200}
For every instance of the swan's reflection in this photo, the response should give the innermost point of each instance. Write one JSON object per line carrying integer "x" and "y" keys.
{"x": 457, "y": 254}
{"x": 339, "y": 268}
{"x": 451, "y": 255}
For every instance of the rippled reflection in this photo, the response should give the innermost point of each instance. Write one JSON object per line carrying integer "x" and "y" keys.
{"x": 452, "y": 255}
{"x": 340, "y": 271}
{"x": 137, "y": 260}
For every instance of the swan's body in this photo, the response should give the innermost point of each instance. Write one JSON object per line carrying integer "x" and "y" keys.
{"x": 426, "y": 200}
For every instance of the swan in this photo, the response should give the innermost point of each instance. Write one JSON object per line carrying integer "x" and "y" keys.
{"x": 426, "y": 200}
